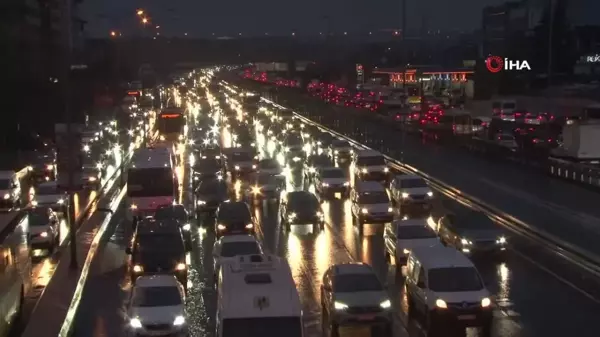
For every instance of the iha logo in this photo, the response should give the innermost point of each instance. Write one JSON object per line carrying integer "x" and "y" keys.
{"x": 495, "y": 64}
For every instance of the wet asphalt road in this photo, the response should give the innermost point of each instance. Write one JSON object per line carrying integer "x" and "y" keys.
{"x": 561, "y": 208}
{"x": 530, "y": 302}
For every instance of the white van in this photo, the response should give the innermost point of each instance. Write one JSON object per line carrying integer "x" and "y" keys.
{"x": 257, "y": 296}
{"x": 370, "y": 165}
{"x": 370, "y": 203}
{"x": 445, "y": 290}
{"x": 402, "y": 236}
{"x": 504, "y": 109}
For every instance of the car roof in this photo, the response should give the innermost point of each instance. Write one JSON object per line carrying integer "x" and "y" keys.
{"x": 352, "y": 268}
{"x": 440, "y": 256}
{"x": 369, "y": 186}
{"x": 237, "y": 238}
{"x": 162, "y": 280}
{"x": 410, "y": 222}
{"x": 153, "y": 226}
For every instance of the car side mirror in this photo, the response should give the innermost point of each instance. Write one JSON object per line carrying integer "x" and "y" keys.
{"x": 128, "y": 251}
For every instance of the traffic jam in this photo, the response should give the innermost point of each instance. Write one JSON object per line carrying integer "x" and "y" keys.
{"x": 245, "y": 219}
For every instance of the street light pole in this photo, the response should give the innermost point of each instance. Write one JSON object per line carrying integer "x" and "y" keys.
{"x": 403, "y": 42}
{"x": 550, "y": 40}
{"x": 71, "y": 169}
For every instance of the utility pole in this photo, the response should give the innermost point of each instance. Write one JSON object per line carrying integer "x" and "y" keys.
{"x": 550, "y": 40}
{"x": 71, "y": 169}
{"x": 404, "y": 49}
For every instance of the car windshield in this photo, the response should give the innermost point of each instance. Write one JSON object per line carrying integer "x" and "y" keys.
{"x": 454, "y": 279}
{"x": 293, "y": 140}
{"x": 231, "y": 213}
{"x": 160, "y": 245}
{"x": 232, "y": 249}
{"x": 350, "y": 283}
{"x": 474, "y": 221}
{"x": 263, "y": 326}
{"x": 374, "y": 198}
{"x": 156, "y": 297}
{"x": 334, "y": 173}
{"x": 266, "y": 179}
{"x": 171, "y": 212}
{"x": 216, "y": 188}
{"x": 303, "y": 201}
{"x": 370, "y": 161}
{"x": 39, "y": 217}
{"x": 268, "y": 164}
{"x": 46, "y": 190}
{"x": 413, "y": 183}
{"x": 415, "y": 232}
{"x": 207, "y": 165}
{"x": 340, "y": 144}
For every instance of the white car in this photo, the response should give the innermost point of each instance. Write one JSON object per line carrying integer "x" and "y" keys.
{"x": 157, "y": 307}
{"x": 370, "y": 203}
{"x": 411, "y": 189}
{"x": 332, "y": 180}
{"x": 48, "y": 194}
{"x": 401, "y": 236}
{"x": 230, "y": 246}
{"x": 352, "y": 293}
{"x": 44, "y": 228}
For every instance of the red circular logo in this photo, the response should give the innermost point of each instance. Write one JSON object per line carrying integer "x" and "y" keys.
{"x": 494, "y": 63}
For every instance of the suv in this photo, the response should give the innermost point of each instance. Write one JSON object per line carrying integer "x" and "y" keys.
{"x": 445, "y": 291}
{"x": 158, "y": 247}
{"x": 370, "y": 165}
{"x": 234, "y": 218}
{"x": 370, "y": 203}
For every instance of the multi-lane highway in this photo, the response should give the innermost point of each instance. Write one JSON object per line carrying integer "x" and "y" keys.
{"x": 530, "y": 301}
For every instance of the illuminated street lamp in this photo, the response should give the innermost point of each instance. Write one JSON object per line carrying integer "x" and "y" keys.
{"x": 113, "y": 33}
{"x": 144, "y": 20}
{"x": 140, "y": 12}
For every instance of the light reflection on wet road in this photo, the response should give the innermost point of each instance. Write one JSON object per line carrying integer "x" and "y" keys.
{"x": 529, "y": 300}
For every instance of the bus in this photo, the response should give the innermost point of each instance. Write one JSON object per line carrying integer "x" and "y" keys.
{"x": 171, "y": 124}
{"x": 151, "y": 182}
{"x": 15, "y": 267}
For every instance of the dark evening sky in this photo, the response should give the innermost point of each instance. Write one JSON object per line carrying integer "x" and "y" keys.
{"x": 230, "y": 17}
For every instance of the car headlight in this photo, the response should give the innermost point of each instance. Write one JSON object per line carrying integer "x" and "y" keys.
{"x": 256, "y": 190}
{"x": 501, "y": 240}
{"x": 485, "y": 302}
{"x": 340, "y": 306}
{"x": 179, "y": 320}
{"x": 180, "y": 267}
{"x": 49, "y": 167}
{"x": 405, "y": 251}
{"x": 386, "y": 170}
{"x": 6, "y": 196}
{"x": 405, "y": 195}
{"x": 386, "y": 304}
{"x": 86, "y": 148}
{"x": 325, "y": 184}
{"x": 134, "y": 207}
{"x": 465, "y": 242}
{"x": 296, "y": 159}
{"x": 292, "y": 216}
{"x": 390, "y": 209}
{"x": 135, "y": 323}
{"x": 186, "y": 227}
{"x": 44, "y": 234}
{"x": 286, "y": 149}
{"x": 336, "y": 152}
{"x": 137, "y": 268}
{"x": 201, "y": 202}
{"x": 92, "y": 179}
{"x": 237, "y": 167}
{"x": 347, "y": 183}
{"x": 254, "y": 167}
{"x": 60, "y": 201}
{"x": 441, "y": 304}
{"x": 430, "y": 194}
{"x": 364, "y": 170}
{"x": 249, "y": 226}
{"x": 364, "y": 211}
{"x": 221, "y": 227}
{"x": 312, "y": 170}
{"x": 319, "y": 214}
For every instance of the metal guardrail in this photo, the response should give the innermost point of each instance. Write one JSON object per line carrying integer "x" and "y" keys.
{"x": 575, "y": 255}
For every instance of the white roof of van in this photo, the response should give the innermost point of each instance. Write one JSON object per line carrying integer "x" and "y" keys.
{"x": 440, "y": 256}
{"x": 369, "y": 186}
{"x": 258, "y": 289}
{"x": 156, "y": 281}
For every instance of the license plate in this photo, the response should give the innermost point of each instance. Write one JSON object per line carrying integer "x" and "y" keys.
{"x": 338, "y": 195}
{"x": 466, "y": 317}
{"x": 366, "y": 317}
